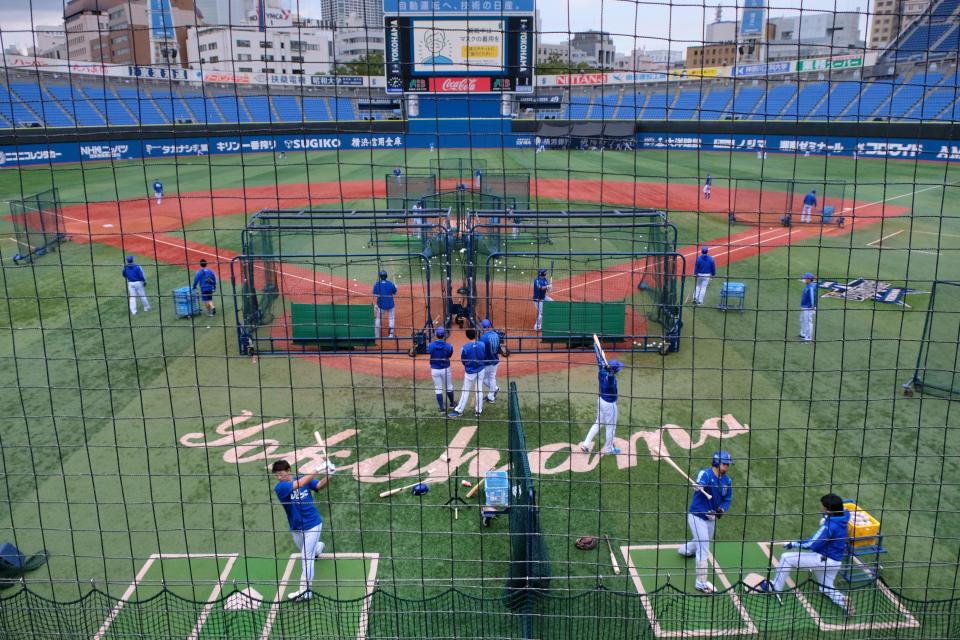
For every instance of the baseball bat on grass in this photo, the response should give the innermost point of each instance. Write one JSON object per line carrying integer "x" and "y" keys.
{"x": 613, "y": 556}
{"x": 390, "y": 492}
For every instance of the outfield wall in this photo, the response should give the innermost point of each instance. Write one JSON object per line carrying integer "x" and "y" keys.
{"x": 38, "y": 149}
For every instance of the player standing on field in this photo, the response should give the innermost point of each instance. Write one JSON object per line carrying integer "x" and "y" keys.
{"x": 206, "y": 279}
{"x": 809, "y": 202}
{"x": 302, "y": 515}
{"x": 397, "y": 173}
{"x": 158, "y": 190}
{"x": 708, "y": 187}
{"x": 606, "y": 407}
{"x": 703, "y": 513}
{"x": 473, "y": 355}
{"x": 494, "y": 349}
{"x": 808, "y": 307}
{"x": 822, "y": 554}
{"x": 440, "y": 352}
{"x": 384, "y": 290}
{"x": 703, "y": 270}
{"x": 541, "y": 286}
{"x": 136, "y": 283}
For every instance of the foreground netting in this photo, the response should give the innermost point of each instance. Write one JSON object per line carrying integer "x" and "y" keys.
{"x": 600, "y": 613}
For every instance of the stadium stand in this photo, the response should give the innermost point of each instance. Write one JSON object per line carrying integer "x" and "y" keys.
{"x": 685, "y": 108}
{"x": 746, "y": 100}
{"x": 715, "y": 105}
{"x": 76, "y": 105}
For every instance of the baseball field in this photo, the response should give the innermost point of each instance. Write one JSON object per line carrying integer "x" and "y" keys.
{"x": 136, "y": 449}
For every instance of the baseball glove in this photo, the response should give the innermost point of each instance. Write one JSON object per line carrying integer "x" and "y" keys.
{"x": 586, "y": 543}
{"x": 505, "y": 351}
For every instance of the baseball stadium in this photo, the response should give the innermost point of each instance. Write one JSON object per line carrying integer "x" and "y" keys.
{"x": 490, "y": 334}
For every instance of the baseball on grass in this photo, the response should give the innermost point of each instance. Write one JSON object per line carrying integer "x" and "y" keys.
{"x": 466, "y": 483}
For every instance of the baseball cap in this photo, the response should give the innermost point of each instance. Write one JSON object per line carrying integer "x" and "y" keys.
{"x": 383, "y": 273}
{"x": 440, "y": 332}
{"x": 543, "y": 272}
{"x": 615, "y": 365}
{"x": 486, "y": 324}
{"x": 705, "y": 250}
{"x": 808, "y": 276}
{"x": 129, "y": 258}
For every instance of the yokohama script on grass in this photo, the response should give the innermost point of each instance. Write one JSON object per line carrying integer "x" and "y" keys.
{"x": 250, "y": 444}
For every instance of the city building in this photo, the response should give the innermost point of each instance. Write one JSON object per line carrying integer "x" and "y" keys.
{"x": 596, "y": 44}
{"x": 287, "y": 45}
{"x": 814, "y": 34}
{"x": 355, "y": 40}
{"x": 225, "y": 12}
{"x": 128, "y": 31}
{"x": 890, "y": 17}
{"x": 342, "y": 13}
{"x": 49, "y": 42}
{"x": 564, "y": 53}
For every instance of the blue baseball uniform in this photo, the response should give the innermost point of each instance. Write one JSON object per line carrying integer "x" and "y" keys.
{"x": 708, "y": 187}
{"x": 541, "y": 285}
{"x": 822, "y": 554}
{"x": 305, "y": 526}
{"x": 158, "y": 190}
{"x": 136, "y": 286}
{"x": 206, "y": 279}
{"x": 473, "y": 356}
{"x": 808, "y": 309}
{"x": 701, "y": 518}
{"x": 384, "y": 290}
{"x": 809, "y": 202}
{"x": 607, "y": 412}
{"x": 491, "y": 341}
{"x": 704, "y": 269}
{"x": 440, "y": 353}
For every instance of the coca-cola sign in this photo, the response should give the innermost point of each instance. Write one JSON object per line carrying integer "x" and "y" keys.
{"x": 459, "y": 85}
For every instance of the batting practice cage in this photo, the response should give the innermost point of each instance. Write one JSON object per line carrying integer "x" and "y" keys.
{"x": 481, "y": 320}
{"x": 37, "y": 223}
{"x": 305, "y": 280}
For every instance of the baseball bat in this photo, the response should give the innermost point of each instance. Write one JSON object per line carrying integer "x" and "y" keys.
{"x": 323, "y": 446}
{"x": 613, "y": 557}
{"x": 390, "y": 492}
{"x": 476, "y": 487}
{"x": 673, "y": 464}
{"x": 599, "y": 348}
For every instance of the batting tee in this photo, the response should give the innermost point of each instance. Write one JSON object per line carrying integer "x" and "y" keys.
{"x": 613, "y": 273}
{"x": 304, "y": 280}
{"x": 37, "y": 224}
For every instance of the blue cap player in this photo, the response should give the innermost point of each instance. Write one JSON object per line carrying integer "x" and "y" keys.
{"x": 606, "y": 406}
{"x": 440, "y": 353}
{"x": 711, "y": 499}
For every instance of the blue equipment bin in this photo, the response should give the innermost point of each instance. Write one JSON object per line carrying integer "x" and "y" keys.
{"x": 827, "y": 214}
{"x": 731, "y": 296}
{"x": 186, "y": 302}
{"x": 497, "y": 489}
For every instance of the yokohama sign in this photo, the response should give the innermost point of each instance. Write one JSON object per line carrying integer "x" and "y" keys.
{"x": 460, "y": 85}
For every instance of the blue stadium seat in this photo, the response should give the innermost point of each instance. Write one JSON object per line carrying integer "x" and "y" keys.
{"x": 872, "y": 98}
{"x": 315, "y": 109}
{"x": 229, "y": 107}
{"x": 141, "y": 106}
{"x": 108, "y": 103}
{"x": 75, "y": 104}
{"x": 746, "y": 100}
{"x": 686, "y": 106}
{"x": 841, "y": 95}
{"x": 12, "y": 109}
{"x": 932, "y": 105}
{"x": 345, "y": 109}
{"x": 716, "y": 103}
{"x": 174, "y": 107}
{"x": 630, "y": 106}
{"x": 810, "y": 95}
{"x": 775, "y": 101}
{"x": 287, "y": 108}
{"x": 49, "y": 112}
{"x": 579, "y": 107}
{"x": 202, "y": 110}
{"x": 656, "y": 108}
{"x": 259, "y": 108}
{"x": 904, "y": 99}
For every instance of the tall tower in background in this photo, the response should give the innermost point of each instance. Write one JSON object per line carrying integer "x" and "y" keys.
{"x": 369, "y": 12}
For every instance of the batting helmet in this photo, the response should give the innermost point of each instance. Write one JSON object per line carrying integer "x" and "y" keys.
{"x": 383, "y": 274}
{"x": 440, "y": 332}
{"x": 129, "y": 258}
{"x": 615, "y": 365}
{"x": 542, "y": 272}
{"x": 420, "y": 488}
{"x": 485, "y": 323}
{"x": 705, "y": 250}
{"x": 721, "y": 457}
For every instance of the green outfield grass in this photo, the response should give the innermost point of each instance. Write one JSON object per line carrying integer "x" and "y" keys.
{"x": 99, "y": 407}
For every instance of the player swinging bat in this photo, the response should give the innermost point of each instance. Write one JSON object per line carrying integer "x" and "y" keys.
{"x": 606, "y": 403}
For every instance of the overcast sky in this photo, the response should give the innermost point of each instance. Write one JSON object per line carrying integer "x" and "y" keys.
{"x": 642, "y": 23}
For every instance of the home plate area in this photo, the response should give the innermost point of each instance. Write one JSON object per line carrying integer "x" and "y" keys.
{"x": 666, "y": 581}
{"x": 218, "y": 595}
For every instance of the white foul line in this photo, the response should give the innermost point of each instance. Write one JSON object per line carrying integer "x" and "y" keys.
{"x": 889, "y": 235}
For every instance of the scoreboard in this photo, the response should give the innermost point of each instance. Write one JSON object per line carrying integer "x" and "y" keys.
{"x": 459, "y": 53}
